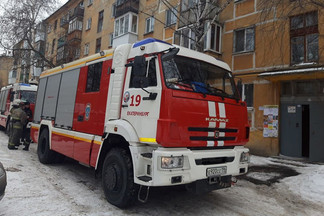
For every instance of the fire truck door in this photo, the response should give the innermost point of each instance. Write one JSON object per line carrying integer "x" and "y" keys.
{"x": 90, "y": 105}
{"x": 141, "y": 97}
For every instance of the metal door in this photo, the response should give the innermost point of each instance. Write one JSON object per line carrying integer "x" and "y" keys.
{"x": 291, "y": 130}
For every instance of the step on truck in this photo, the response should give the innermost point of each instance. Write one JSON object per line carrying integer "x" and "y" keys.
{"x": 23, "y": 91}
{"x": 144, "y": 115}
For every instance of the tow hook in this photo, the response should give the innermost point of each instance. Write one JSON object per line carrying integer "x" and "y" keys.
{"x": 234, "y": 180}
{"x": 143, "y": 192}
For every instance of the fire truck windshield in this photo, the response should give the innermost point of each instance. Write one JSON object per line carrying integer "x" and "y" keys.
{"x": 198, "y": 76}
{"x": 29, "y": 96}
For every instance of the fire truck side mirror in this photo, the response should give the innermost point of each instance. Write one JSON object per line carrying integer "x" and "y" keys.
{"x": 169, "y": 55}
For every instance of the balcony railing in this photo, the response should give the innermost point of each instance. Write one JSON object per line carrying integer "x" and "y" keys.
{"x": 77, "y": 12}
{"x": 127, "y": 6}
{"x": 74, "y": 36}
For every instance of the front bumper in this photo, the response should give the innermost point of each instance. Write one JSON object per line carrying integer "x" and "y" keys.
{"x": 148, "y": 171}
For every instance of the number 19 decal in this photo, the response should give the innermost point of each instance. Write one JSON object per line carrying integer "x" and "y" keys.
{"x": 137, "y": 100}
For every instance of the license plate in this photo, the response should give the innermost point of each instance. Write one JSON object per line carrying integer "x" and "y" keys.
{"x": 216, "y": 171}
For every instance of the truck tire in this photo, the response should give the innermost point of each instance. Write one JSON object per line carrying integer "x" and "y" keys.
{"x": 45, "y": 155}
{"x": 117, "y": 178}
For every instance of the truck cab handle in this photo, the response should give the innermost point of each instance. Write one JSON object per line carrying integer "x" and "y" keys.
{"x": 152, "y": 96}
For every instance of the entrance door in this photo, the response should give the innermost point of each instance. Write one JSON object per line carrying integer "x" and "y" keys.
{"x": 291, "y": 130}
{"x": 305, "y": 131}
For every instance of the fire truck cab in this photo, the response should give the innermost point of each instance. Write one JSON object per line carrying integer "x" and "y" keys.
{"x": 143, "y": 115}
{"x": 23, "y": 91}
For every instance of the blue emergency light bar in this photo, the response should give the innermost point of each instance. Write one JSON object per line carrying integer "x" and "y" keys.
{"x": 147, "y": 41}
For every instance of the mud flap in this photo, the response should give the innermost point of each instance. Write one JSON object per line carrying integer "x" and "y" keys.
{"x": 207, "y": 185}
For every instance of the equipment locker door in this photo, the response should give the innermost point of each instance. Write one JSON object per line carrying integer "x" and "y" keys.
{"x": 90, "y": 107}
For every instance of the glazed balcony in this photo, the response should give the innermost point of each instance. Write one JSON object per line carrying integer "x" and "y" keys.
{"x": 125, "y": 6}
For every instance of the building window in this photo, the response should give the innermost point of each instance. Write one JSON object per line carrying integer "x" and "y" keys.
{"x": 119, "y": 2}
{"x": 86, "y": 49}
{"x": 244, "y": 40}
{"x": 55, "y": 25}
{"x": 98, "y": 45}
{"x": 171, "y": 17}
{"x": 100, "y": 21}
{"x": 125, "y": 24}
{"x": 212, "y": 40}
{"x": 49, "y": 29}
{"x": 88, "y": 24}
{"x": 53, "y": 46}
{"x": 185, "y": 37}
{"x": 75, "y": 25}
{"x": 247, "y": 93}
{"x": 187, "y": 4}
{"x": 93, "y": 77}
{"x": 113, "y": 10}
{"x": 60, "y": 53}
{"x": 111, "y": 39}
{"x": 90, "y": 2}
{"x": 149, "y": 25}
{"x": 304, "y": 38}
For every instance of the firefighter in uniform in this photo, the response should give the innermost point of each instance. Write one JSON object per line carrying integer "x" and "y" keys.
{"x": 18, "y": 120}
{"x": 26, "y": 131}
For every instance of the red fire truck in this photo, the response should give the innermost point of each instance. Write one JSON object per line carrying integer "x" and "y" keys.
{"x": 23, "y": 91}
{"x": 143, "y": 115}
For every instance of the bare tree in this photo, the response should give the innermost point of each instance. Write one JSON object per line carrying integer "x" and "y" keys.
{"x": 18, "y": 25}
{"x": 196, "y": 15}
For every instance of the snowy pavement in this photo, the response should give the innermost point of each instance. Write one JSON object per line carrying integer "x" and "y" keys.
{"x": 71, "y": 189}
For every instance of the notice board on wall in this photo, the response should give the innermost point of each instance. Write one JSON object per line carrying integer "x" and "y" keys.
{"x": 270, "y": 121}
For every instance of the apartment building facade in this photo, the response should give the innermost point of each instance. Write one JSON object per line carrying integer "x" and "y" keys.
{"x": 274, "y": 49}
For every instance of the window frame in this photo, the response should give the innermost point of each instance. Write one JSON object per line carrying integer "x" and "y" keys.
{"x": 88, "y": 23}
{"x": 303, "y": 32}
{"x": 100, "y": 21}
{"x": 98, "y": 44}
{"x": 95, "y": 87}
{"x": 190, "y": 43}
{"x": 168, "y": 16}
{"x": 151, "y": 25}
{"x": 127, "y": 28}
{"x": 245, "y": 50}
{"x": 208, "y": 38}
{"x": 86, "y": 49}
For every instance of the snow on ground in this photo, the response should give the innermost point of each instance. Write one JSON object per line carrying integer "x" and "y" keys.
{"x": 71, "y": 189}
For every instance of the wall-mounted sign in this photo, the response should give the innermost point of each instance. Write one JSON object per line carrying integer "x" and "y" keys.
{"x": 291, "y": 109}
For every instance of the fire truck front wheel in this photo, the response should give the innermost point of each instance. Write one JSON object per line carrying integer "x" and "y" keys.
{"x": 117, "y": 178}
{"x": 45, "y": 155}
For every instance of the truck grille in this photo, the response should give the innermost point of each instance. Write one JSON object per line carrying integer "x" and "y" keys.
{"x": 214, "y": 138}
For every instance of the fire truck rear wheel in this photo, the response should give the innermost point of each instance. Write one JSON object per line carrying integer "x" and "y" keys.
{"x": 117, "y": 178}
{"x": 45, "y": 155}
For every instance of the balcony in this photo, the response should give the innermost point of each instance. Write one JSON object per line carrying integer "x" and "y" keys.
{"x": 77, "y": 12}
{"x": 64, "y": 22}
{"x": 74, "y": 36}
{"x": 124, "y": 6}
{"x": 61, "y": 41}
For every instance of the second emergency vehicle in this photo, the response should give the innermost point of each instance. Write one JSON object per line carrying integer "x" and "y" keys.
{"x": 22, "y": 91}
{"x": 144, "y": 115}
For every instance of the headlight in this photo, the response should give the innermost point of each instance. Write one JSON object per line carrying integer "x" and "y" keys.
{"x": 245, "y": 157}
{"x": 171, "y": 162}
